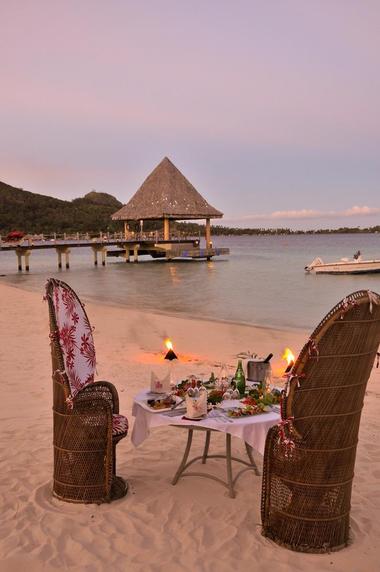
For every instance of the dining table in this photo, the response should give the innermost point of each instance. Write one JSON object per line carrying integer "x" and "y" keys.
{"x": 251, "y": 429}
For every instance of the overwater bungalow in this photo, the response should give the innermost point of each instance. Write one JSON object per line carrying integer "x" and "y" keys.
{"x": 166, "y": 195}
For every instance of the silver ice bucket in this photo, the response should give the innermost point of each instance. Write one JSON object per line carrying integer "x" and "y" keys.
{"x": 259, "y": 372}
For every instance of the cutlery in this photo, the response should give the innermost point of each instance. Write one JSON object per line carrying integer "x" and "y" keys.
{"x": 176, "y": 404}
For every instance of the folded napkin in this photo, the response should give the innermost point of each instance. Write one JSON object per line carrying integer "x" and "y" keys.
{"x": 196, "y": 407}
{"x": 159, "y": 386}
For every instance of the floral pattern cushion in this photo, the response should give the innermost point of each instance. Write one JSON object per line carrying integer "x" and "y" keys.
{"x": 75, "y": 338}
{"x": 119, "y": 424}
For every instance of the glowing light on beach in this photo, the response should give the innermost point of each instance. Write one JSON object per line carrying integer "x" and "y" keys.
{"x": 288, "y": 355}
{"x": 168, "y": 343}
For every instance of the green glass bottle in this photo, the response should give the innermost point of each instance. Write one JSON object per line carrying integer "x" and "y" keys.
{"x": 240, "y": 378}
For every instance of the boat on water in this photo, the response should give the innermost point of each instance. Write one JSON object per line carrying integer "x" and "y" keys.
{"x": 356, "y": 265}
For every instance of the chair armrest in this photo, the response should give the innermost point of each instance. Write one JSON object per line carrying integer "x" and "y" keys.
{"x": 102, "y": 390}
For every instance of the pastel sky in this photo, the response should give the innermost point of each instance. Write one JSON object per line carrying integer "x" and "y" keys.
{"x": 271, "y": 108}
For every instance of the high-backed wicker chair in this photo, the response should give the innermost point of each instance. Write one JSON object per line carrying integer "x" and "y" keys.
{"x": 87, "y": 424}
{"x": 310, "y": 456}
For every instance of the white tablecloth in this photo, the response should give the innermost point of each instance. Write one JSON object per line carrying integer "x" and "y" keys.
{"x": 252, "y": 429}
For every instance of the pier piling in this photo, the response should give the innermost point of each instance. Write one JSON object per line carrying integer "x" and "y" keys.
{"x": 19, "y": 260}
{"x": 103, "y": 251}
{"x": 104, "y": 256}
{"x": 66, "y": 251}
{"x": 22, "y": 252}
{"x": 27, "y": 254}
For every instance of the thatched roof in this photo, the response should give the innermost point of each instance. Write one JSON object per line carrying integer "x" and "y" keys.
{"x": 166, "y": 193}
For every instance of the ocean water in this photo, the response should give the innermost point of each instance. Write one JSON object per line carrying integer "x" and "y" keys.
{"x": 262, "y": 281}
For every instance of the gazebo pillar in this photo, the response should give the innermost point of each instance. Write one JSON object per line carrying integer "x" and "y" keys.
{"x": 208, "y": 233}
{"x": 166, "y": 229}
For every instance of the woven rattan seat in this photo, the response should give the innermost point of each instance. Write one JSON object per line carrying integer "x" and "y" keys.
{"x": 87, "y": 422}
{"x": 310, "y": 456}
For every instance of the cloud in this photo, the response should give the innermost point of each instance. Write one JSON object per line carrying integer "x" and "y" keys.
{"x": 361, "y": 211}
{"x": 305, "y": 214}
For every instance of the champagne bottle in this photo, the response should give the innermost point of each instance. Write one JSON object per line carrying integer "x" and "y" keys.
{"x": 240, "y": 378}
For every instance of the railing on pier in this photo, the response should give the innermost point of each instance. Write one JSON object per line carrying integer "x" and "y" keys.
{"x": 31, "y": 239}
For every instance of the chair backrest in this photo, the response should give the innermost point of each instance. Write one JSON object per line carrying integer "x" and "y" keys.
{"x": 71, "y": 335}
{"x": 325, "y": 396}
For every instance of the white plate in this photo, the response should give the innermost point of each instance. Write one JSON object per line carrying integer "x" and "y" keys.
{"x": 145, "y": 405}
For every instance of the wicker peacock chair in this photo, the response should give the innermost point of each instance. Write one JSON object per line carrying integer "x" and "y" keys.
{"x": 310, "y": 456}
{"x": 87, "y": 424}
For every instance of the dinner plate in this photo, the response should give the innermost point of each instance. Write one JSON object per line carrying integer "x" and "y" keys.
{"x": 145, "y": 405}
{"x": 194, "y": 418}
{"x": 243, "y": 415}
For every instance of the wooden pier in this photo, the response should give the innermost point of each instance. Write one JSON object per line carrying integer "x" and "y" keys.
{"x": 128, "y": 248}
{"x": 165, "y": 196}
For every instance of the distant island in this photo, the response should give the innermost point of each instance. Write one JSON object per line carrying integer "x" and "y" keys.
{"x": 33, "y": 213}
{"x": 219, "y": 230}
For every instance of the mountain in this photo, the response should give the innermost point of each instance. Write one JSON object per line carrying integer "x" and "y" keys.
{"x": 34, "y": 213}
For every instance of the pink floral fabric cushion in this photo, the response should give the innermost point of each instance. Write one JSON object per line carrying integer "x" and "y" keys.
{"x": 119, "y": 424}
{"x": 75, "y": 338}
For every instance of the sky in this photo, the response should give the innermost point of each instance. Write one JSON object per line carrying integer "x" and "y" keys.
{"x": 270, "y": 108}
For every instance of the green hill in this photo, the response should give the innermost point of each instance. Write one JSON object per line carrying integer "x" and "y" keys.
{"x": 34, "y": 213}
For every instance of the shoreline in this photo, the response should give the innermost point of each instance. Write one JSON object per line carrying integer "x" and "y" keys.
{"x": 184, "y": 315}
{"x": 183, "y": 330}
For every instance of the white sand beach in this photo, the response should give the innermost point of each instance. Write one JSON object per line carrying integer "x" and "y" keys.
{"x": 193, "y": 526}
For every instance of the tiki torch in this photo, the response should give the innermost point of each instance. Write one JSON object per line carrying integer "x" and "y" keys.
{"x": 170, "y": 356}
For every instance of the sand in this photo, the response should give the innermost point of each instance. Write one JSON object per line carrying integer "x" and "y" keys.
{"x": 193, "y": 526}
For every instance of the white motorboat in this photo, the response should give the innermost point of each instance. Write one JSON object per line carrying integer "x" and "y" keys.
{"x": 356, "y": 265}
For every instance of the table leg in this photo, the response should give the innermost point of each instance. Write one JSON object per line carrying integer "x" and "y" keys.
{"x": 182, "y": 470}
{"x": 207, "y": 445}
{"x": 252, "y": 460}
{"x": 185, "y": 456}
{"x": 229, "y": 466}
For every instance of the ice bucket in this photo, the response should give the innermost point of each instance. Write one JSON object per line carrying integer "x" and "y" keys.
{"x": 259, "y": 372}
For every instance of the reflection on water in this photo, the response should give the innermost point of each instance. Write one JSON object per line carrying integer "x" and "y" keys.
{"x": 262, "y": 281}
{"x": 174, "y": 274}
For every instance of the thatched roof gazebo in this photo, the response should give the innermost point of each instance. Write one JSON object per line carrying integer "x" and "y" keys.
{"x": 167, "y": 195}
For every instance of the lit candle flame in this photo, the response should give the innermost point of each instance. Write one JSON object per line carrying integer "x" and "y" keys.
{"x": 288, "y": 355}
{"x": 168, "y": 343}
